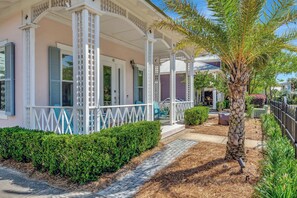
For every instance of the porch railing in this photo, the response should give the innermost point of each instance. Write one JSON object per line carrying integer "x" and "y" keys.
{"x": 61, "y": 119}
{"x": 180, "y": 108}
{"x": 111, "y": 116}
{"x": 286, "y": 116}
{"x": 53, "y": 118}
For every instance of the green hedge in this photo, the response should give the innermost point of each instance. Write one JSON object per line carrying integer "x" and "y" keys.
{"x": 82, "y": 158}
{"x": 279, "y": 171}
{"x": 196, "y": 115}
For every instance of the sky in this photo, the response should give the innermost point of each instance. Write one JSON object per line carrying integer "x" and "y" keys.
{"x": 202, "y": 7}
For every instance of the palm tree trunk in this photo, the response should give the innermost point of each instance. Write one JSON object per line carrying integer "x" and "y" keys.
{"x": 236, "y": 134}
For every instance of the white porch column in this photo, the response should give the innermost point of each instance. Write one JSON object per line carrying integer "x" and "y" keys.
{"x": 149, "y": 73}
{"x": 191, "y": 83}
{"x": 172, "y": 89}
{"x": 214, "y": 99}
{"x": 29, "y": 73}
{"x": 157, "y": 80}
{"x": 86, "y": 60}
{"x": 187, "y": 81}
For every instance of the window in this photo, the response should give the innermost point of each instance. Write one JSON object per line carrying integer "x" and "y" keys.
{"x": 67, "y": 79}
{"x": 2, "y": 79}
{"x": 140, "y": 85}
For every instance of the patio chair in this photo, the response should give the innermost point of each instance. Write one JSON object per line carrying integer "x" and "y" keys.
{"x": 158, "y": 113}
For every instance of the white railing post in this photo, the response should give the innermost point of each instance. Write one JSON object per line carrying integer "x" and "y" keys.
{"x": 191, "y": 79}
{"x": 149, "y": 73}
{"x": 172, "y": 89}
{"x": 28, "y": 30}
{"x": 86, "y": 65}
{"x": 157, "y": 80}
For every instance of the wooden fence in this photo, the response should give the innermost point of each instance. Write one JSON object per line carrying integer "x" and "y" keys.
{"x": 286, "y": 116}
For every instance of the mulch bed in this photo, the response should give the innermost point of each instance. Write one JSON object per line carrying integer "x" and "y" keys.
{"x": 211, "y": 127}
{"x": 64, "y": 183}
{"x": 203, "y": 172}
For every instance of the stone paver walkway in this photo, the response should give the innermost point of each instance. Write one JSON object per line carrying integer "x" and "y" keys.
{"x": 14, "y": 184}
{"x": 217, "y": 139}
{"x": 130, "y": 183}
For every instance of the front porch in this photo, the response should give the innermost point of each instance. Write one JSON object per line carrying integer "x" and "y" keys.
{"x": 103, "y": 68}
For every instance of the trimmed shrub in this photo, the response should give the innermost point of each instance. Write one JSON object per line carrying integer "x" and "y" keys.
{"x": 220, "y": 106}
{"x": 82, "y": 158}
{"x": 279, "y": 171}
{"x": 258, "y": 100}
{"x": 196, "y": 115}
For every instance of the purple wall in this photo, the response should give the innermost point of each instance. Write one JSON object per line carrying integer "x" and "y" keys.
{"x": 180, "y": 86}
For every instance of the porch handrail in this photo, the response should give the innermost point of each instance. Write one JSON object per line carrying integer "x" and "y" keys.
{"x": 122, "y": 106}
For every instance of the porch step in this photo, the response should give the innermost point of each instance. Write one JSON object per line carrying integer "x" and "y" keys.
{"x": 169, "y": 130}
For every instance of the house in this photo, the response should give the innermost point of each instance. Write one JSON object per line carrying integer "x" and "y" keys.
{"x": 79, "y": 66}
{"x": 205, "y": 63}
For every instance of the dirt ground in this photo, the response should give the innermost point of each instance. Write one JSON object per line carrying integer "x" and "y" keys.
{"x": 211, "y": 127}
{"x": 64, "y": 183}
{"x": 203, "y": 172}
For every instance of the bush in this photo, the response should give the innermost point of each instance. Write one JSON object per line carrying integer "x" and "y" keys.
{"x": 258, "y": 100}
{"x": 196, "y": 115}
{"x": 223, "y": 105}
{"x": 279, "y": 171}
{"x": 249, "y": 106}
{"x": 82, "y": 158}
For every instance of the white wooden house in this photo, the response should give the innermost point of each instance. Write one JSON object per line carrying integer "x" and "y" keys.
{"x": 78, "y": 66}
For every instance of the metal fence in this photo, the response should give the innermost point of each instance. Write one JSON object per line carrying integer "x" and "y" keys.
{"x": 286, "y": 116}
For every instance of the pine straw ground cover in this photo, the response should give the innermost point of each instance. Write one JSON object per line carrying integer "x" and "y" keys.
{"x": 211, "y": 127}
{"x": 203, "y": 172}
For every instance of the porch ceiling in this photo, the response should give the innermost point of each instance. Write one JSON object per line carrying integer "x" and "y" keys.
{"x": 114, "y": 28}
{"x": 4, "y": 4}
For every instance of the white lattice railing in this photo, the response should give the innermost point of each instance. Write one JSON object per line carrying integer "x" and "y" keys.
{"x": 180, "y": 108}
{"x": 39, "y": 8}
{"x": 53, "y": 118}
{"x": 111, "y": 116}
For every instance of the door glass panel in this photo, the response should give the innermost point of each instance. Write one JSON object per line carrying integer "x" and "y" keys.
{"x": 67, "y": 62}
{"x": 107, "y": 85}
{"x": 67, "y": 96}
{"x": 140, "y": 78}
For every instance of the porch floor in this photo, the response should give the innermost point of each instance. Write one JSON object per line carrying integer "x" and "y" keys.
{"x": 168, "y": 130}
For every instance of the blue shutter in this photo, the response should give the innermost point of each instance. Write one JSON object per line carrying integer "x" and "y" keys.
{"x": 135, "y": 84}
{"x": 54, "y": 58}
{"x": 10, "y": 79}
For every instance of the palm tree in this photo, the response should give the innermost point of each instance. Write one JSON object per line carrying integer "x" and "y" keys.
{"x": 242, "y": 33}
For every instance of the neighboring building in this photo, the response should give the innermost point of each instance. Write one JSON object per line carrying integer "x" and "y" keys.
{"x": 205, "y": 63}
{"x": 77, "y": 66}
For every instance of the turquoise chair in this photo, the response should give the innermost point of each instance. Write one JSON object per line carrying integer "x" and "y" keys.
{"x": 158, "y": 113}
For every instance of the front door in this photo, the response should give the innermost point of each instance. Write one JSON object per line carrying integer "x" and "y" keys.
{"x": 112, "y": 83}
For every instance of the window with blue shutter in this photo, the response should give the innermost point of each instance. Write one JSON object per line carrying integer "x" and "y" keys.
{"x": 135, "y": 84}
{"x": 138, "y": 76}
{"x": 54, "y": 76}
{"x": 7, "y": 79}
{"x": 2, "y": 78}
{"x": 61, "y": 77}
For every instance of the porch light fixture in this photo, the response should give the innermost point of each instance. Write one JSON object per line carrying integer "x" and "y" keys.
{"x": 132, "y": 63}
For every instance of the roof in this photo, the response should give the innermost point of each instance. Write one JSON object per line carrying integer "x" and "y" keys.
{"x": 156, "y": 7}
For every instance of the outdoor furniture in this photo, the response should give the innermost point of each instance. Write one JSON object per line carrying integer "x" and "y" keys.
{"x": 159, "y": 112}
{"x": 224, "y": 118}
